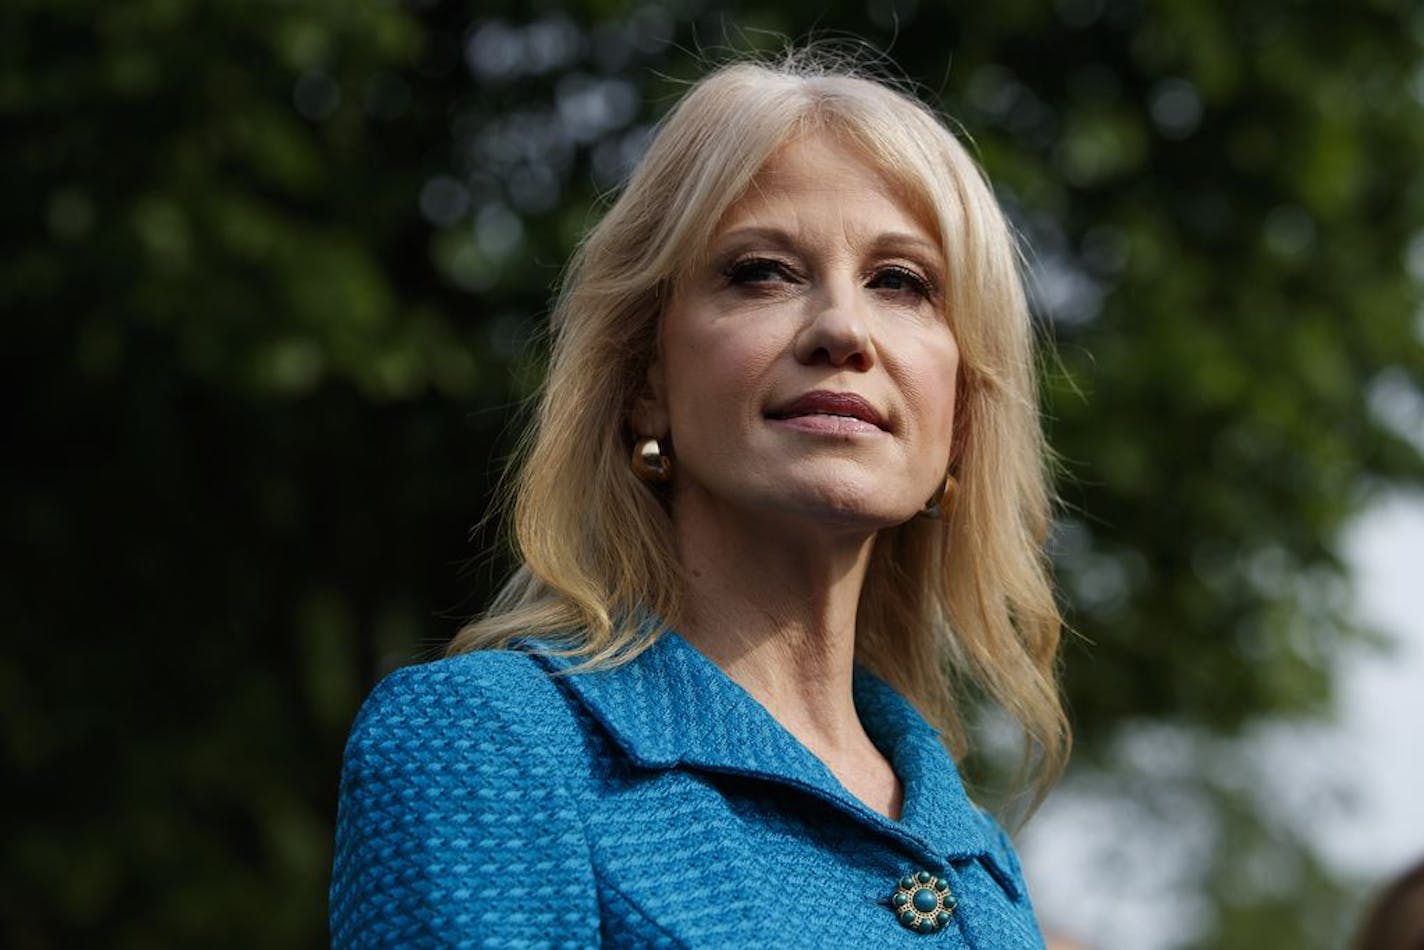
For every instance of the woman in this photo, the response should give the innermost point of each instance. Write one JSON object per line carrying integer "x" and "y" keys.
{"x": 1395, "y": 919}
{"x": 718, "y": 704}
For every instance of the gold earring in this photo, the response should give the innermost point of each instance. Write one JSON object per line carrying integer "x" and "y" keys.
{"x": 649, "y": 462}
{"x": 937, "y": 506}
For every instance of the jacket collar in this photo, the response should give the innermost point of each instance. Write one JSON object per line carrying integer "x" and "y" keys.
{"x": 671, "y": 706}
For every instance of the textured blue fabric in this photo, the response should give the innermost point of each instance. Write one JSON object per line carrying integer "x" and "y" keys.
{"x": 488, "y": 803}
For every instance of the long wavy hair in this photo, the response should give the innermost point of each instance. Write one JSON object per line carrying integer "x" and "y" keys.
{"x": 951, "y": 610}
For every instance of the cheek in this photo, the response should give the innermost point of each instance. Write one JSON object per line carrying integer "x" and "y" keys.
{"x": 930, "y": 385}
{"x": 715, "y": 369}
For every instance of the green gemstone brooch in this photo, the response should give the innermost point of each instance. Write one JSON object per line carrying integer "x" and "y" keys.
{"x": 922, "y": 902}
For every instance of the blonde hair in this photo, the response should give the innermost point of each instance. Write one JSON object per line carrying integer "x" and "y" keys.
{"x": 948, "y": 607}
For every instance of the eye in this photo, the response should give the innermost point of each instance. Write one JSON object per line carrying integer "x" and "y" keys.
{"x": 901, "y": 280}
{"x": 750, "y": 271}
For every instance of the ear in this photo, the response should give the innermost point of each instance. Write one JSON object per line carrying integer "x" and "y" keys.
{"x": 964, "y": 414}
{"x": 649, "y": 414}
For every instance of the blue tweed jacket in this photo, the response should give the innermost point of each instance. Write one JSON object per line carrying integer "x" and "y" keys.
{"x": 487, "y": 803}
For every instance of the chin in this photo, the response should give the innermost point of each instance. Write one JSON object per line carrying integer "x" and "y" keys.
{"x": 855, "y": 506}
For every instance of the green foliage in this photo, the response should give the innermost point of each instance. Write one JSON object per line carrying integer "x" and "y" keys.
{"x": 270, "y": 271}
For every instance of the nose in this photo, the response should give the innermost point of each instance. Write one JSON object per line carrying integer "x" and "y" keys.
{"x": 837, "y": 331}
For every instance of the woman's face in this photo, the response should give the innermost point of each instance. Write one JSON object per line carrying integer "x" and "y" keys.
{"x": 806, "y": 368}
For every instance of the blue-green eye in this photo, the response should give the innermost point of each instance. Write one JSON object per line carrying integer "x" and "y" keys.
{"x": 757, "y": 270}
{"x": 901, "y": 280}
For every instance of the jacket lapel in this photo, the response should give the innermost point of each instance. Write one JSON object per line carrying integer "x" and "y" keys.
{"x": 936, "y": 807}
{"x": 670, "y": 706}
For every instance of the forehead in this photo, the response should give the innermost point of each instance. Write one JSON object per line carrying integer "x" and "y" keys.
{"x": 819, "y": 174}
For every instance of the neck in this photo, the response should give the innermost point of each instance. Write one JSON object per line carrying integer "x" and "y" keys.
{"x": 774, "y": 605}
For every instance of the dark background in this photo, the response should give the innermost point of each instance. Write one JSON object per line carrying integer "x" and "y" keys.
{"x": 272, "y": 273}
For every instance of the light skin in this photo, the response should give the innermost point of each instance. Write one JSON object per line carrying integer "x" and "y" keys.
{"x": 805, "y": 380}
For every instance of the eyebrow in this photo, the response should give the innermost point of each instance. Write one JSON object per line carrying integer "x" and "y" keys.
{"x": 779, "y": 237}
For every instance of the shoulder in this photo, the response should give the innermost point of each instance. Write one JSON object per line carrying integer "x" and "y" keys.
{"x": 457, "y": 778}
{"x": 488, "y": 681}
{"x": 487, "y": 711}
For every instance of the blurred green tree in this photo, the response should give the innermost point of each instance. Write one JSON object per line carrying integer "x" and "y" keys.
{"x": 271, "y": 272}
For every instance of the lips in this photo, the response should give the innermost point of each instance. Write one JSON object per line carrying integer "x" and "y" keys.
{"x": 820, "y": 402}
